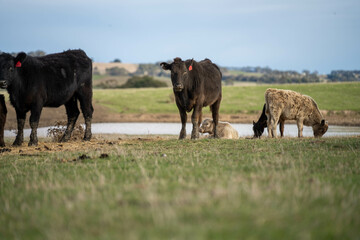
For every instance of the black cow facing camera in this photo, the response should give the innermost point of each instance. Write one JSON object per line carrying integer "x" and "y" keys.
{"x": 195, "y": 85}
{"x": 49, "y": 81}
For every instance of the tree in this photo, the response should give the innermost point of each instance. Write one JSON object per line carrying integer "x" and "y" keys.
{"x": 143, "y": 82}
{"x": 116, "y": 71}
{"x": 38, "y": 53}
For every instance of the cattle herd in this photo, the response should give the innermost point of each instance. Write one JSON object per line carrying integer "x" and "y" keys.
{"x": 66, "y": 78}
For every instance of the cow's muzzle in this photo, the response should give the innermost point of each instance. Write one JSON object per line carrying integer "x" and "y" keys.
{"x": 178, "y": 87}
{"x": 3, "y": 84}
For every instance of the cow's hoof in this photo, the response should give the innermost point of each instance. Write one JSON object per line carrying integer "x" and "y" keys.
{"x": 182, "y": 137}
{"x": 87, "y": 138}
{"x": 17, "y": 144}
{"x": 64, "y": 139}
{"x": 32, "y": 144}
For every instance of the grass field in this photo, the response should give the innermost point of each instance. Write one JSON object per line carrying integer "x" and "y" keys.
{"x": 168, "y": 189}
{"x": 238, "y": 99}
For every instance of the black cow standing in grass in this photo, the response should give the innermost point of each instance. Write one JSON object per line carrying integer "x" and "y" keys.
{"x": 48, "y": 81}
{"x": 3, "y": 112}
{"x": 195, "y": 85}
{"x": 261, "y": 124}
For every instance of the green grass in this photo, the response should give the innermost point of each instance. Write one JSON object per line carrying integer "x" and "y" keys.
{"x": 143, "y": 100}
{"x": 207, "y": 189}
{"x": 239, "y": 99}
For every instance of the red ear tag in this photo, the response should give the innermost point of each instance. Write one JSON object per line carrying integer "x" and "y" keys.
{"x": 18, "y": 64}
{"x": 190, "y": 68}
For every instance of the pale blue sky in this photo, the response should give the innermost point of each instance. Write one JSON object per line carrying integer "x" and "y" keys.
{"x": 320, "y": 35}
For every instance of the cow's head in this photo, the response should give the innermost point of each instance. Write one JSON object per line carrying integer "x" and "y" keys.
{"x": 8, "y": 68}
{"x": 207, "y": 126}
{"x": 320, "y": 128}
{"x": 258, "y": 128}
{"x": 180, "y": 72}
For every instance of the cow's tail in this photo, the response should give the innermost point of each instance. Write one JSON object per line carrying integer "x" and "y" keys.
{"x": 266, "y": 106}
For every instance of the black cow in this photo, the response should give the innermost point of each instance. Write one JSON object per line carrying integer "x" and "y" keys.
{"x": 3, "y": 112}
{"x": 195, "y": 85}
{"x": 48, "y": 81}
{"x": 261, "y": 124}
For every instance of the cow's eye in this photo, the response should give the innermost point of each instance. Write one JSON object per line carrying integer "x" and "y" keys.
{"x": 11, "y": 69}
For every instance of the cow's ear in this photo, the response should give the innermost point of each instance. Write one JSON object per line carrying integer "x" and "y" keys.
{"x": 165, "y": 66}
{"x": 189, "y": 64}
{"x": 20, "y": 58}
{"x": 323, "y": 122}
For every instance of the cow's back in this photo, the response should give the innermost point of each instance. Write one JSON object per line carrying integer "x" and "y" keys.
{"x": 58, "y": 76}
{"x": 65, "y": 64}
{"x": 226, "y": 131}
{"x": 291, "y": 105}
{"x": 211, "y": 81}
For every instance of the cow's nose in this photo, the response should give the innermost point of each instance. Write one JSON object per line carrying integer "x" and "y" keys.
{"x": 178, "y": 87}
{"x": 3, "y": 84}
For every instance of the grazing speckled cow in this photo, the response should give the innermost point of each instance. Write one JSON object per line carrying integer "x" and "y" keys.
{"x": 290, "y": 105}
{"x": 224, "y": 129}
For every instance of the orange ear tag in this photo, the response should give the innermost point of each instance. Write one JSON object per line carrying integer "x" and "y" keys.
{"x": 190, "y": 68}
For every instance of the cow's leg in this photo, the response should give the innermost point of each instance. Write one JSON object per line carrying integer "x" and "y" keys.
{"x": 200, "y": 119}
{"x": 34, "y": 123}
{"x": 85, "y": 98}
{"x": 72, "y": 112}
{"x": 299, "y": 123}
{"x": 2, "y": 125}
{"x": 215, "y": 115}
{"x": 273, "y": 123}
{"x": 3, "y": 112}
{"x": 183, "y": 117}
{"x": 268, "y": 122}
{"x": 194, "y": 120}
{"x": 282, "y": 123}
{"x": 20, "y": 116}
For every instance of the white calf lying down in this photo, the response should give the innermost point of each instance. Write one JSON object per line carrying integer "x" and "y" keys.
{"x": 224, "y": 129}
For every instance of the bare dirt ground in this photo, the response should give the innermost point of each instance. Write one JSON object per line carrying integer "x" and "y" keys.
{"x": 100, "y": 145}
{"x": 50, "y": 116}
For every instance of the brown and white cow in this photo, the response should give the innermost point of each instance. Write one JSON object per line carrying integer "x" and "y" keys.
{"x": 290, "y": 105}
{"x": 224, "y": 129}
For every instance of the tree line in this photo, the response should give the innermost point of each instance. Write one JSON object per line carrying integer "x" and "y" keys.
{"x": 236, "y": 74}
{"x": 251, "y": 74}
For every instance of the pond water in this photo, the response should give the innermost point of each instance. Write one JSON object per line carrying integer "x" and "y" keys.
{"x": 174, "y": 129}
